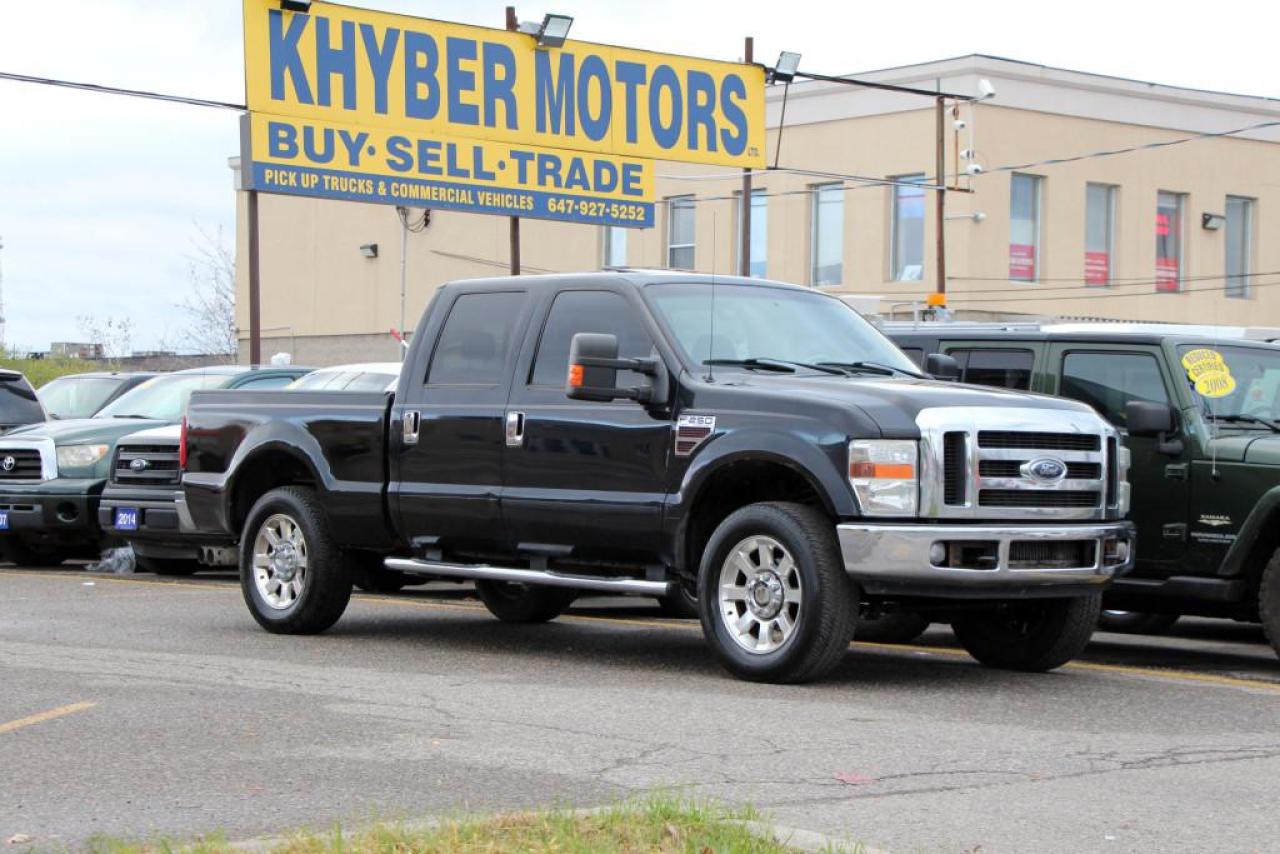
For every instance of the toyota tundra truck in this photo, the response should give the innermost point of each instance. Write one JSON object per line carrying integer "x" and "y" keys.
{"x": 755, "y": 448}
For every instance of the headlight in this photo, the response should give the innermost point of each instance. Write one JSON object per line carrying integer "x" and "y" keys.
{"x": 80, "y": 456}
{"x": 884, "y": 474}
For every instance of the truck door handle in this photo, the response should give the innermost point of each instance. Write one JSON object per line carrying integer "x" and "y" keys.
{"x": 411, "y": 421}
{"x": 515, "y": 429}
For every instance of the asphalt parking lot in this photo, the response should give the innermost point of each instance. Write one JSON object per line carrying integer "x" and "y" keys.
{"x": 140, "y": 707}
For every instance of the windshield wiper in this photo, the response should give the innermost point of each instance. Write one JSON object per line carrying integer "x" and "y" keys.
{"x": 1241, "y": 418}
{"x": 874, "y": 367}
{"x": 769, "y": 364}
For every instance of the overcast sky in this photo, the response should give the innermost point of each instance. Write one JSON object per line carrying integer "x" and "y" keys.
{"x": 101, "y": 197}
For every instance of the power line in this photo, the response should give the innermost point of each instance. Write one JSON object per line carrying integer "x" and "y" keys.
{"x": 1113, "y": 295}
{"x": 1122, "y": 283}
{"x": 115, "y": 90}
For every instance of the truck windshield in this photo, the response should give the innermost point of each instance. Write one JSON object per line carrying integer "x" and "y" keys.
{"x": 759, "y": 325}
{"x": 1233, "y": 384}
{"x": 162, "y": 398}
{"x": 77, "y": 397}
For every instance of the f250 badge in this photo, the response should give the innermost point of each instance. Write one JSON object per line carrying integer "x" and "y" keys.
{"x": 692, "y": 431}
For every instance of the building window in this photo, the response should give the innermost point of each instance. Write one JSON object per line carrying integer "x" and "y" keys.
{"x": 827, "y": 238}
{"x": 1239, "y": 245}
{"x": 1099, "y": 233}
{"x": 759, "y": 232}
{"x": 1170, "y": 226}
{"x": 680, "y": 211}
{"x": 615, "y": 246}
{"x": 1024, "y": 228}
{"x": 907, "y": 252}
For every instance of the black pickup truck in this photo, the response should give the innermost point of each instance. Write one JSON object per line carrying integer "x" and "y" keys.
{"x": 755, "y": 447}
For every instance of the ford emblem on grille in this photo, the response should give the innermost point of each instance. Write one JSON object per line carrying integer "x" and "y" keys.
{"x": 9, "y": 464}
{"x": 1045, "y": 469}
{"x": 139, "y": 464}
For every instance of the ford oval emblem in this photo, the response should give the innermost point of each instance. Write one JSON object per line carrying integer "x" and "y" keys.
{"x": 9, "y": 464}
{"x": 1045, "y": 469}
{"x": 139, "y": 464}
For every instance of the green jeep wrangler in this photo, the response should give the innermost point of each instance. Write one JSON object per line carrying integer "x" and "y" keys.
{"x": 1202, "y": 415}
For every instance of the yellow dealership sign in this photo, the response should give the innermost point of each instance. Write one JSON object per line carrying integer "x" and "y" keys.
{"x": 370, "y": 106}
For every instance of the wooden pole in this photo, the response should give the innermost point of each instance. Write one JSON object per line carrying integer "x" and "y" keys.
{"x": 940, "y": 118}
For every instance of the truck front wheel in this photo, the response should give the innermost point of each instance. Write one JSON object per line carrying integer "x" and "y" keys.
{"x": 524, "y": 603}
{"x": 294, "y": 578}
{"x": 776, "y": 603}
{"x": 1033, "y": 636}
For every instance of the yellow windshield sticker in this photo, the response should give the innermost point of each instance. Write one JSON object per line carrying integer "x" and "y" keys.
{"x": 1203, "y": 361}
{"x": 1215, "y": 384}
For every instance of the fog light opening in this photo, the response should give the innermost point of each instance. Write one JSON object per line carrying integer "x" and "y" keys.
{"x": 938, "y": 554}
{"x": 67, "y": 512}
{"x": 1116, "y": 550}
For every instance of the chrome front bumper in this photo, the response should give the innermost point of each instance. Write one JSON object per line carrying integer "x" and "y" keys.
{"x": 984, "y": 560}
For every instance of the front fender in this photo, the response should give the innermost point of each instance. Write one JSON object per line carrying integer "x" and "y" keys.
{"x": 1258, "y": 524}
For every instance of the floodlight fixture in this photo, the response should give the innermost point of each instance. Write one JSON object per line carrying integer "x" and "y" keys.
{"x": 369, "y": 250}
{"x": 554, "y": 30}
{"x": 785, "y": 70}
{"x": 1212, "y": 221}
{"x": 302, "y": 6}
{"x": 985, "y": 89}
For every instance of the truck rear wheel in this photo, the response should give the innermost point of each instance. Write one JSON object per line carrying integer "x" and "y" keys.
{"x": 524, "y": 603}
{"x": 776, "y": 603}
{"x": 1269, "y": 601}
{"x": 1033, "y": 636}
{"x": 294, "y": 577}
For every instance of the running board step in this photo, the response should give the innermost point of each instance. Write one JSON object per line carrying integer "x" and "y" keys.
{"x": 530, "y": 576}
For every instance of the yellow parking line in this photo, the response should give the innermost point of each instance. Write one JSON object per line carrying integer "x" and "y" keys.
{"x": 1120, "y": 669}
{"x": 45, "y": 716}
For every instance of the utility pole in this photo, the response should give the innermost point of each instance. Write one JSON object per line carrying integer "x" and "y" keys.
{"x": 940, "y": 114}
{"x": 512, "y": 25}
{"x": 2, "y": 349}
{"x": 744, "y": 251}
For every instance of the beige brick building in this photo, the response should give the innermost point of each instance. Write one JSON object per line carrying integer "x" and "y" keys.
{"x": 1180, "y": 233}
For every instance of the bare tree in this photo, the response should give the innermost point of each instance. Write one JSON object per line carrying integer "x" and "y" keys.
{"x": 113, "y": 334}
{"x": 210, "y": 304}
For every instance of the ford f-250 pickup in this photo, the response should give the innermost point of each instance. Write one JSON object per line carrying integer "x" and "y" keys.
{"x": 755, "y": 447}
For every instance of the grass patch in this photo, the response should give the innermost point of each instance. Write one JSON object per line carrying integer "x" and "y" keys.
{"x": 662, "y": 824}
{"x": 40, "y": 371}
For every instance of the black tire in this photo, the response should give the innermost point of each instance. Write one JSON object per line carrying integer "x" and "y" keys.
{"x": 680, "y": 605}
{"x": 894, "y": 627}
{"x": 1136, "y": 622}
{"x": 524, "y": 603}
{"x": 166, "y": 565}
{"x": 1269, "y": 601}
{"x": 1033, "y": 636}
{"x": 822, "y": 616}
{"x": 326, "y": 584}
{"x": 17, "y": 552}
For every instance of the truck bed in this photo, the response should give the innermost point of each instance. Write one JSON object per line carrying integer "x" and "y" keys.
{"x": 336, "y": 441}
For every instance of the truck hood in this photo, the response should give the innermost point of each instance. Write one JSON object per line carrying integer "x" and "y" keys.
{"x": 1254, "y": 447}
{"x": 84, "y": 431}
{"x": 890, "y": 404}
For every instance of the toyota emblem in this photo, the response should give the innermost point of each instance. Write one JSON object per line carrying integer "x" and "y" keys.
{"x": 9, "y": 464}
{"x": 1045, "y": 469}
{"x": 139, "y": 465}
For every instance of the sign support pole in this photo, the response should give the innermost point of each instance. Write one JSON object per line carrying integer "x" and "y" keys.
{"x": 255, "y": 292}
{"x": 940, "y": 119}
{"x": 513, "y": 25}
{"x": 744, "y": 250}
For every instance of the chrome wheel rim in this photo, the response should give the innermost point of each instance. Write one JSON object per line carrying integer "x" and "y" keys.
{"x": 759, "y": 595}
{"x": 280, "y": 562}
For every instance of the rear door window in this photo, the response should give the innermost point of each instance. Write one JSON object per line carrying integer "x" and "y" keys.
{"x": 477, "y": 338}
{"x": 1000, "y": 368}
{"x": 1107, "y": 381}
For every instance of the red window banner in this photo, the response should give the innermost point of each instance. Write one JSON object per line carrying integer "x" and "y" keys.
{"x": 1166, "y": 274}
{"x": 1097, "y": 268}
{"x": 1022, "y": 261}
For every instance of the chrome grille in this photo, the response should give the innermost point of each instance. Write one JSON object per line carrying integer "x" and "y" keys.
{"x": 1012, "y": 464}
{"x": 146, "y": 465}
{"x": 20, "y": 464}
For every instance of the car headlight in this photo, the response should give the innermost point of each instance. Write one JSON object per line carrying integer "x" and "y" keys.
{"x": 80, "y": 456}
{"x": 884, "y": 474}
